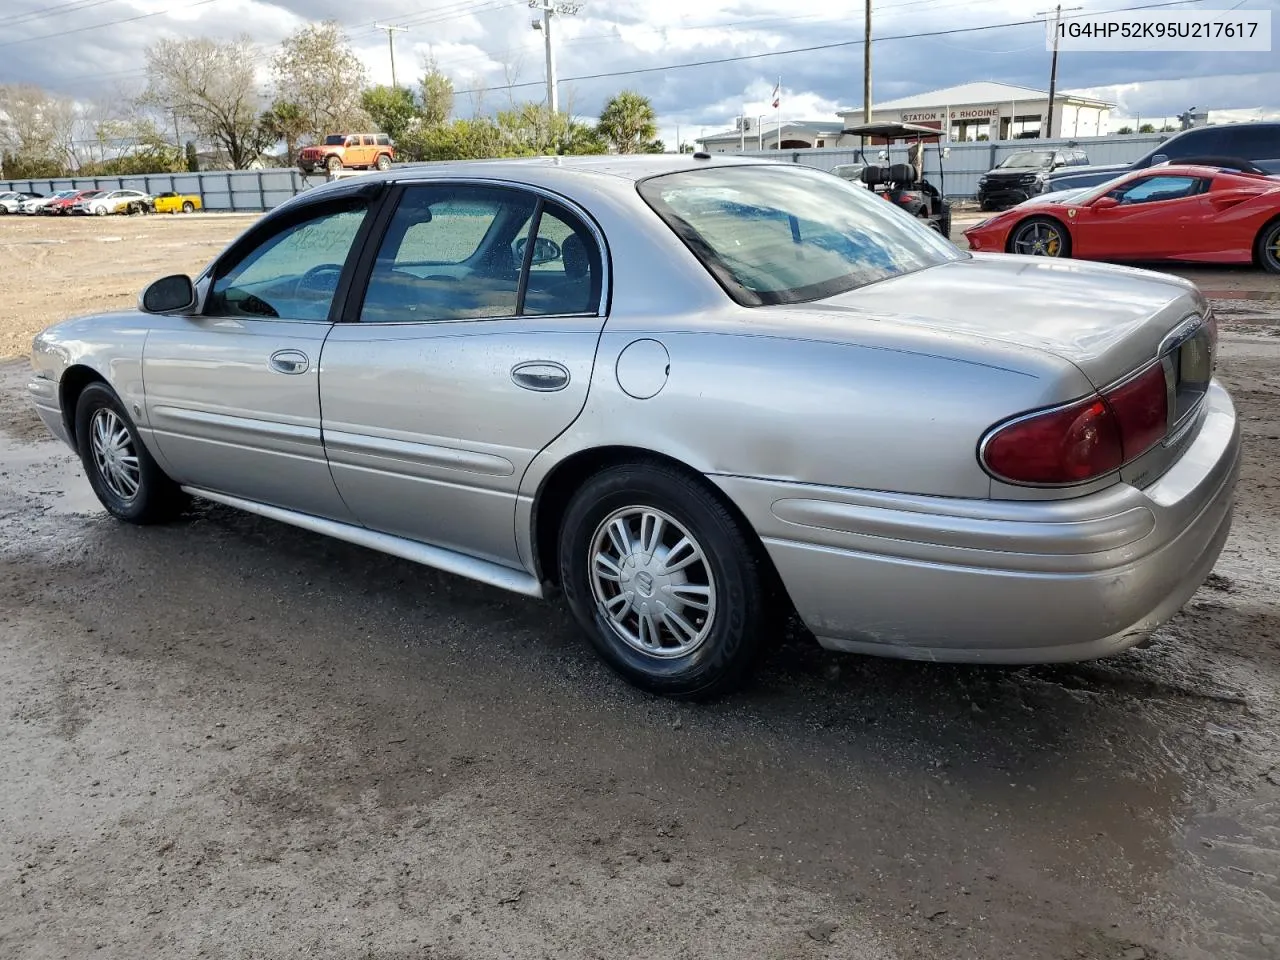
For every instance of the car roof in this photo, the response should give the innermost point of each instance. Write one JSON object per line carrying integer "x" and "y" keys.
{"x": 633, "y": 167}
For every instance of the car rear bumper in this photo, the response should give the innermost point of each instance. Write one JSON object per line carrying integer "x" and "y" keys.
{"x": 989, "y": 581}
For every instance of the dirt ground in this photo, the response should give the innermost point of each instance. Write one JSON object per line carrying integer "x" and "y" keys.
{"x": 231, "y": 738}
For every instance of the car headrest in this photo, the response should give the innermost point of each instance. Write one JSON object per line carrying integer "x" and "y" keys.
{"x": 872, "y": 175}
{"x": 577, "y": 263}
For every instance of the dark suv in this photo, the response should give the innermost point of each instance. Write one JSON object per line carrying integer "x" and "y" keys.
{"x": 1257, "y": 144}
{"x": 1023, "y": 175}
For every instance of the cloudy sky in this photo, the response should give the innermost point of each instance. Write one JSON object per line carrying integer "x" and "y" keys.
{"x": 94, "y": 47}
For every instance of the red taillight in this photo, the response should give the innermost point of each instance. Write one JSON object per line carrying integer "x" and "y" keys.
{"x": 1085, "y": 440}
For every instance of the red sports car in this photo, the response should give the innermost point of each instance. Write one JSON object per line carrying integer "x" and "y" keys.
{"x": 1173, "y": 212}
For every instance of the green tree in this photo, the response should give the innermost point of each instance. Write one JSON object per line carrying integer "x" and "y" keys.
{"x": 436, "y": 105}
{"x": 392, "y": 109}
{"x": 210, "y": 84}
{"x": 1124, "y": 130}
{"x": 686, "y": 148}
{"x": 192, "y": 157}
{"x": 628, "y": 122}
{"x": 654, "y": 146}
{"x": 317, "y": 69}
{"x": 284, "y": 120}
{"x": 582, "y": 139}
{"x": 1147, "y": 128}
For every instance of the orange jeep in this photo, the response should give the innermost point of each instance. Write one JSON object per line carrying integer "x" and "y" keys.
{"x": 351, "y": 150}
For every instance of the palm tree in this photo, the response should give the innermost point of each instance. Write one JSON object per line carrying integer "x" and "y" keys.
{"x": 628, "y": 122}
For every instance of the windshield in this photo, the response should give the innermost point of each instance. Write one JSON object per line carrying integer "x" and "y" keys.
{"x": 787, "y": 234}
{"x": 335, "y": 140}
{"x": 1027, "y": 158}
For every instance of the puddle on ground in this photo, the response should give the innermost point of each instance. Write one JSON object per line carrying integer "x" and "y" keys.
{"x": 48, "y": 472}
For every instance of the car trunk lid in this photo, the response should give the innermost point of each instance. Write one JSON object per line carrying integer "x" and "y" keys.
{"x": 1108, "y": 321}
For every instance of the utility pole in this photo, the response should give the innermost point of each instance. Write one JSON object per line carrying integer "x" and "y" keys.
{"x": 866, "y": 68}
{"x": 1056, "y": 13}
{"x": 391, "y": 44}
{"x": 549, "y": 9}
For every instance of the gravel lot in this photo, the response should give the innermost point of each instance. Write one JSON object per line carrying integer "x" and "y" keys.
{"x": 230, "y": 738}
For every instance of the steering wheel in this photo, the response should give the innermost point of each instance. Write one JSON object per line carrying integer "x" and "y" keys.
{"x": 310, "y": 284}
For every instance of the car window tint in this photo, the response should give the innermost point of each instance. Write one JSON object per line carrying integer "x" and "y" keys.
{"x": 1153, "y": 189}
{"x": 1252, "y": 143}
{"x": 293, "y": 275}
{"x": 774, "y": 235}
{"x": 564, "y": 273}
{"x": 449, "y": 254}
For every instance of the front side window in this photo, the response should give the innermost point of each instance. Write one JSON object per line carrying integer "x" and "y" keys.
{"x": 776, "y": 234}
{"x": 294, "y": 274}
{"x": 1152, "y": 189}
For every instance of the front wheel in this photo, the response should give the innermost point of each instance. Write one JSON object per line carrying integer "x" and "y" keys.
{"x": 1268, "y": 251}
{"x": 127, "y": 481}
{"x": 188, "y": 206}
{"x": 669, "y": 587}
{"x": 334, "y": 164}
{"x": 1040, "y": 237}
{"x": 100, "y": 211}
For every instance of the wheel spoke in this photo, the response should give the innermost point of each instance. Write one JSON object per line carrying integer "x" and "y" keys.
{"x": 696, "y": 596}
{"x": 607, "y": 569}
{"x": 680, "y": 556}
{"x": 682, "y": 628}
{"x": 620, "y": 536}
{"x": 651, "y": 527}
{"x": 650, "y": 632}
{"x": 620, "y": 605}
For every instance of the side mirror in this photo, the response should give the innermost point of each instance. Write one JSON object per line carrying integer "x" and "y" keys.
{"x": 1105, "y": 203}
{"x": 544, "y": 250}
{"x": 168, "y": 295}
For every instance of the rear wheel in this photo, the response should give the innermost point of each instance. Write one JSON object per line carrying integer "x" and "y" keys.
{"x": 1040, "y": 237}
{"x": 664, "y": 580}
{"x": 127, "y": 481}
{"x": 1268, "y": 247}
{"x": 188, "y": 206}
{"x": 384, "y": 162}
{"x": 100, "y": 211}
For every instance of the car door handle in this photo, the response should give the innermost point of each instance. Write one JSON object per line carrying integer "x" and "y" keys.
{"x": 289, "y": 361}
{"x": 542, "y": 376}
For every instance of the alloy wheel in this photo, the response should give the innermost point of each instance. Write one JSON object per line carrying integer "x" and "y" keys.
{"x": 652, "y": 582}
{"x": 1038, "y": 240}
{"x": 114, "y": 454}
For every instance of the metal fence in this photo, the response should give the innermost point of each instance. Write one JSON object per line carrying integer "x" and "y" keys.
{"x": 258, "y": 190}
{"x": 968, "y": 161}
{"x": 250, "y": 191}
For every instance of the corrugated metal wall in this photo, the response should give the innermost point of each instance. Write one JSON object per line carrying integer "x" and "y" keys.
{"x": 232, "y": 190}
{"x": 256, "y": 190}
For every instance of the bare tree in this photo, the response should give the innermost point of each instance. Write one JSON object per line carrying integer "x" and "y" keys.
{"x": 29, "y": 121}
{"x": 211, "y": 85}
{"x": 317, "y": 70}
{"x": 512, "y": 63}
{"x": 437, "y": 94}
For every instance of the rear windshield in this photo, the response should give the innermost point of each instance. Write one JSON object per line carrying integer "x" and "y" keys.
{"x": 789, "y": 234}
{"x": 1027, "y": 158}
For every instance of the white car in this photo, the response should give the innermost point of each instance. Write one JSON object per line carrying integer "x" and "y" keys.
{"x": 36, "y": 205}
{"x": 11, "y": 201}
{"x": 110, "y": 201}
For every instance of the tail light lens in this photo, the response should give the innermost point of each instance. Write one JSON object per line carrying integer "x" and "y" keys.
{"x": 1083, "y": 441}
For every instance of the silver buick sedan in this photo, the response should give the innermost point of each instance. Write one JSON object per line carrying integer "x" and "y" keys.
{"x": 692, "y": 394}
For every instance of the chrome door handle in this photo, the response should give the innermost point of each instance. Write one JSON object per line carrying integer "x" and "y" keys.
{"x": 289, "y": 361}
{"x": 541, "y": 376}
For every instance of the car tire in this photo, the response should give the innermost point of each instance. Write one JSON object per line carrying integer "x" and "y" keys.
{"x": 100, "y": 211}
{"x": 1267, "y": 247}
{"x": 333, "y": 164}
{"x": 188, "y": 206}
{"x": 124, "y": 476}
{"x": 384, "y": 162}
{"x": 633, "y": 518}
{"x": 1040, "y": 237}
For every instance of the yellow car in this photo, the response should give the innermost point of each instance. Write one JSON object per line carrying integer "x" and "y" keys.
{"x": 173, "y": 202}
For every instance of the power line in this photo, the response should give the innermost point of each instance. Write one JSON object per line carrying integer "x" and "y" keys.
{"x": 812, "y": 49}
{"x": 57, "y": 10}
{"x": 109, "y": 23}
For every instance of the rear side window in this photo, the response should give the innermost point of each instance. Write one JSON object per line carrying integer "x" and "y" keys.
{"x": 1251, "y": 143}
{"x": 368, "y": 141}
{"x": 384, "y": 140}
